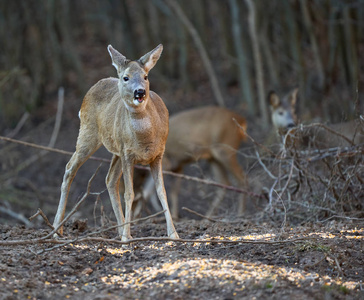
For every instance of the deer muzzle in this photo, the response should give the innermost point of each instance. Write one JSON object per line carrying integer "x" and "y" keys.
{"x": 139, "y": 95}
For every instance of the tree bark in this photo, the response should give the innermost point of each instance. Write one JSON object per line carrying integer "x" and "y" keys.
{"x": 315, "y": 49}
{"x": 244, "y": 76}
{"x": 257, "y": 62}
{"x": 173, "y": 4}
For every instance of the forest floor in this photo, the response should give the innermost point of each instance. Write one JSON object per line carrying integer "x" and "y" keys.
{"x": 308, "y": 262}
{"x": 314, "y": 260}
{"x": 259, "y": 258}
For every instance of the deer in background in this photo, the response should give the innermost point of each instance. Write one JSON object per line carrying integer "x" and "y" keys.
{"x": 283, "y": 114}
{"x": 208, "y": 133}
{"x": 132, "y": 123}
{"x": 283, "y": 111}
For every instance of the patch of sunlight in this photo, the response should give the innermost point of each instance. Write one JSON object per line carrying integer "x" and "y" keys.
{"x": 80, "y": 246}
{"x": 253, "y": 237}
{"x": 116, "y": 250}
{"x": 354, "y": 233}
{"x": 349, "y": 234}
{"x": 189, "y": 272}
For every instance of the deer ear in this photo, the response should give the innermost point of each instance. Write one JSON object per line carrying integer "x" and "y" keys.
{"x": 273, "y": 99}
{"x": 150, "y": 59}
{"x": 118, "y": 60}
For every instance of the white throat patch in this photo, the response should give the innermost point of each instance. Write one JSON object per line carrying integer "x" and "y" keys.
{"x": 141, "y": 124}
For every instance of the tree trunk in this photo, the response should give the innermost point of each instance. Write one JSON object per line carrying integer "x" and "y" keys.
{"x": 315, "y": 49}
{"x": 244, "y": 76}
{"x": 257, "y": 62}
{"x": 173, "y": 4}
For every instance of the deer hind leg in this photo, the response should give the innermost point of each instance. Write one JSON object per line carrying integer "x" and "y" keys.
{"x": 112, "y": 183}
{"x": 174, "y": 197}
{"x": 149, "y": 193}
{"x": 156, "y": 169}
{"x": 227, "y": 158}
{"x": 77, "y": 160}
{"x": 240, "y": 177}
{"x": 221, "y": 176}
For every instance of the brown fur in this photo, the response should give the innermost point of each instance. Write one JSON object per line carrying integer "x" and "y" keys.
{"x": 208, "y": 133}
{"x": 134, "y": 132}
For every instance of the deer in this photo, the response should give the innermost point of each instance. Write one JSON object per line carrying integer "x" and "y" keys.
{"x": 209, "y": 133}
{"x": 283, "y": 111}
{"x": 284, "y": 119}
{"x": 131, "y": 122}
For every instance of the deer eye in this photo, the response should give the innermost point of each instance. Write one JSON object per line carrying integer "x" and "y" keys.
{"x": 146, "y": 77}
{"x": 125, "y": 78}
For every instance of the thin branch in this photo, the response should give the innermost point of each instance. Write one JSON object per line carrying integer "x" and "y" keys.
{"x": 148, "y": 239}
{"x": 98, "y": 232}
{"x": 53, "y": 138}
{"x": 15, "y": 216}
{"x": 264, "y": 166}
{"x": 324, "y": 127}
{"x": 186, "y": 177}
{"x": 41, "y": 213}
{"x": 50, "y": 149}
{"x": 19, "y": 126}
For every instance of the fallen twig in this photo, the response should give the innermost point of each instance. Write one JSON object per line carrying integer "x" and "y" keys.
{"x": 100, "y": 231}
{"x": 41, "y": 213}
{"x": 148, "y": 239}
{"x": 15, "y": 215}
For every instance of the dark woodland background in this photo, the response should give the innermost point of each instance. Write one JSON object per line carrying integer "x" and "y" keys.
{"x": 253, "y": 47}
{"x": 229, "y": 53}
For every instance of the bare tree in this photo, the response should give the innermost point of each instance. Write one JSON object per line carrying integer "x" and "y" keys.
{"x": 199, "y": 44}
{"x": 244, "y": 76}
{"x": 257, "y": 62}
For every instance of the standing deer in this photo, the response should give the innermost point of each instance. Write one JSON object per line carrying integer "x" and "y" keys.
{"x": 208, "y": 133}
{"x": 132, "y": 123}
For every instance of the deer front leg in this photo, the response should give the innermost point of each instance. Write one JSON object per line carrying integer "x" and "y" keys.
{"x": 128, "y": 170}
{"x": 112, "y": 183}
{"x": 156, "y": 169}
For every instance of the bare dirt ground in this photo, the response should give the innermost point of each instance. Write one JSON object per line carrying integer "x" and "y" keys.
{"x": 318, "y": 257}
{"x": 326, "y": 264}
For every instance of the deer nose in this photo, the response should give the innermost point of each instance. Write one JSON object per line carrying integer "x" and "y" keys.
{"x": 290, "y": 125}
{"x": 140, "y": 93}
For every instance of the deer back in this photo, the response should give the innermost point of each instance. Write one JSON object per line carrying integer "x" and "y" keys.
{"x": 194, "y": 133}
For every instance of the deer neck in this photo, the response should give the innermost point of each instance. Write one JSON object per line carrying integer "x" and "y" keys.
{"x": 140, "y": 122}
